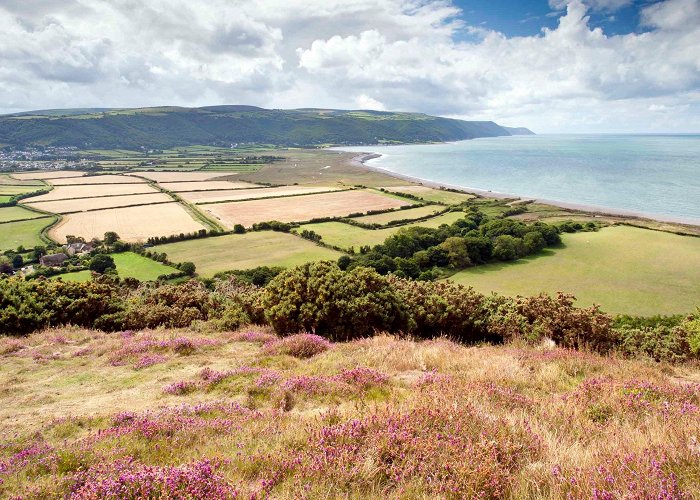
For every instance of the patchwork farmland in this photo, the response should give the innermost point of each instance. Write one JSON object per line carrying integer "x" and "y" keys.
{"x": 136, "y": 223}
{"x": 92, "y": 191}
{"x": 302, "y": 208}
{"x": 202, "y": 197}
{"x": 85, "y": 204}
{"x": 96, "y": 179}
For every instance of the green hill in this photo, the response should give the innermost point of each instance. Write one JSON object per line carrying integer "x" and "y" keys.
{"x": 165, "y": 127}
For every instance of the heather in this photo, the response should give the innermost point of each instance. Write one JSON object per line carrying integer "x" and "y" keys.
{"x": 196, "y": 413}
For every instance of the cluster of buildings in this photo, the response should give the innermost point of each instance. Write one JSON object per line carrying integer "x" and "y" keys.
{"x": 49, "y": 158}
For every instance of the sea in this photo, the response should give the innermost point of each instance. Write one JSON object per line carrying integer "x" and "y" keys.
{"x": 650, "y": 175}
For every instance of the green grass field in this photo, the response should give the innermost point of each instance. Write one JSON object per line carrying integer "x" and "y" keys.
{"x": 624, "y": 269}
{"x": 409, "y": 213}
{"x": 132, "y": 265}
{"x": 25, "y": 233}
{"x": 8, "y": 214}
{"x": 344, "y": 235}
{"x": 245, "y": 251}
{"x": 129, "y": 265}
{"x": 5, "y": 198}
{"x": 433, "y": 195}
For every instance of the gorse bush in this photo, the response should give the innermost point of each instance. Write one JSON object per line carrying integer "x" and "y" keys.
{"x": 322, "y": 299}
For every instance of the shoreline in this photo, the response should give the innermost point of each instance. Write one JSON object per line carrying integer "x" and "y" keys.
{"x": 361, "y": 160}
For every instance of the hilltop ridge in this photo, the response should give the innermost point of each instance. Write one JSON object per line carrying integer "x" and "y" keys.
{"x": 170, "y": 126}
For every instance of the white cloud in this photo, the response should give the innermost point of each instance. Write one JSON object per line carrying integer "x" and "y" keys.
{"x": 366, "y": 102}
{"x": 372, "y": 54}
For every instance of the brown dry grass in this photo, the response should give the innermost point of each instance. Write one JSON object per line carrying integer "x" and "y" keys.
{"x": 132, "y": 224}
{"x": 97, "y": 179}
{"x": 584, "y": 413}
{"x": 245, "y": 194}
{"x": 205, "y": 185}
{"x": 301, "y": 208}
{"x": 92, "y": 191}
{"x": 82, "y": 204}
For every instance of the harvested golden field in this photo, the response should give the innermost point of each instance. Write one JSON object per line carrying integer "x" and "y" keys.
{"x": 97, "y": 179}
{"x": 246, "y": 194}
{"x": 47, "y": 174}
{"x": 180, "y": 176}
{"x": 130, "y": 223}
{"x": 205, "y": 185}
{"x": 92, "y": 191}
{"x": 82, "y": 204}
{"x": 301, "y": 208}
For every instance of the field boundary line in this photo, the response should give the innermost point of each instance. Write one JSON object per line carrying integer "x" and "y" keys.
{"x": 274, "y": 197}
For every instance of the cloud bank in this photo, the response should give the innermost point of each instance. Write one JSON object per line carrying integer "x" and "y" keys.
{"x": 379, "y": 54}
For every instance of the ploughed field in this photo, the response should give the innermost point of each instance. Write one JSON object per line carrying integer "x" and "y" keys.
{"x": 624, "y": 269}
{"x": 181, "y": 414}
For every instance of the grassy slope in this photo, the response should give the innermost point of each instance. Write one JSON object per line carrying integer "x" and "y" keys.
{"x": 26, "y": 233}
{"x": 410, "y": 213}
{"x": 266, "y": 248}
{"x": 8, "y": 214}
{"x": 434, "y": 195}
{"x": 129, "y": 265}
{"x": 531, "y": 419}
{"x": 345, "y": 236}
{"x": 624, "y": 269}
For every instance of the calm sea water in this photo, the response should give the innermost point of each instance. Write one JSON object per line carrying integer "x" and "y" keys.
{"x": 657, "y": 175}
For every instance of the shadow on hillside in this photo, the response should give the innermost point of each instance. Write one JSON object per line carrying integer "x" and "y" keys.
{"x": 497, "y": 266}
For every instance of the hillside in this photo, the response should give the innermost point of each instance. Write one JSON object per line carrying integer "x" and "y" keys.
{"x": 180, "y": 414}
{"x": 165, "y": 127}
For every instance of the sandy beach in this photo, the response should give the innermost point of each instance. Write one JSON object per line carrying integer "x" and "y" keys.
{"x": 362, "y": 160}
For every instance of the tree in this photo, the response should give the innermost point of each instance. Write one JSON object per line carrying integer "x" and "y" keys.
{"x": 100, "y": 263}
{"x": 533, "y": 242}
{"x": 110, "y": 238}
{"x": 238, "y": 229}
{"x": 506, "y": 247}
{"x": 344, "y": 262}
{"x": 17, "y": 261}
{"x": 188, "y": 268}
{"x": 70, "y": 239}
{"x": 457, "y": 253}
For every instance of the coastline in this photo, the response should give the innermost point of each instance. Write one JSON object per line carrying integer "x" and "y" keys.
{"x": 361, "y": 160}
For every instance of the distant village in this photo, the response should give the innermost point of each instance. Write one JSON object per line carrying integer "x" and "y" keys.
{"x": 49, "y": 158}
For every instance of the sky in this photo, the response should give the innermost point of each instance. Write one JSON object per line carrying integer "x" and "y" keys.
{"x": 566, "y": 66}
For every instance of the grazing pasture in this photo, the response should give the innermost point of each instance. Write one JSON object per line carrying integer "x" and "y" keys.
{"x": 24, "y": 233}
{"x": 7, "y": 190}
{"x": 47, "y": 174}
{"x": 128, "y": 265}
{"x": 410, "y": 213}
{"x": 301, "y": 208}
{"x": 624, "y": 269}
{"x": 245, "y": 251}
{"x": 9, "y": 214}
{"x": 131, "y": 223}
{"x": 247, "y": 194}
{"x": 205, "y": 185}
{"x": 430, "y": 194}
{"x": 346, "y": 236}
{"x": 83, "y": 204}
{"x": 92, "y": 191}
{"x": 179, "y": 176}
{"x": 5, "y": 180}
